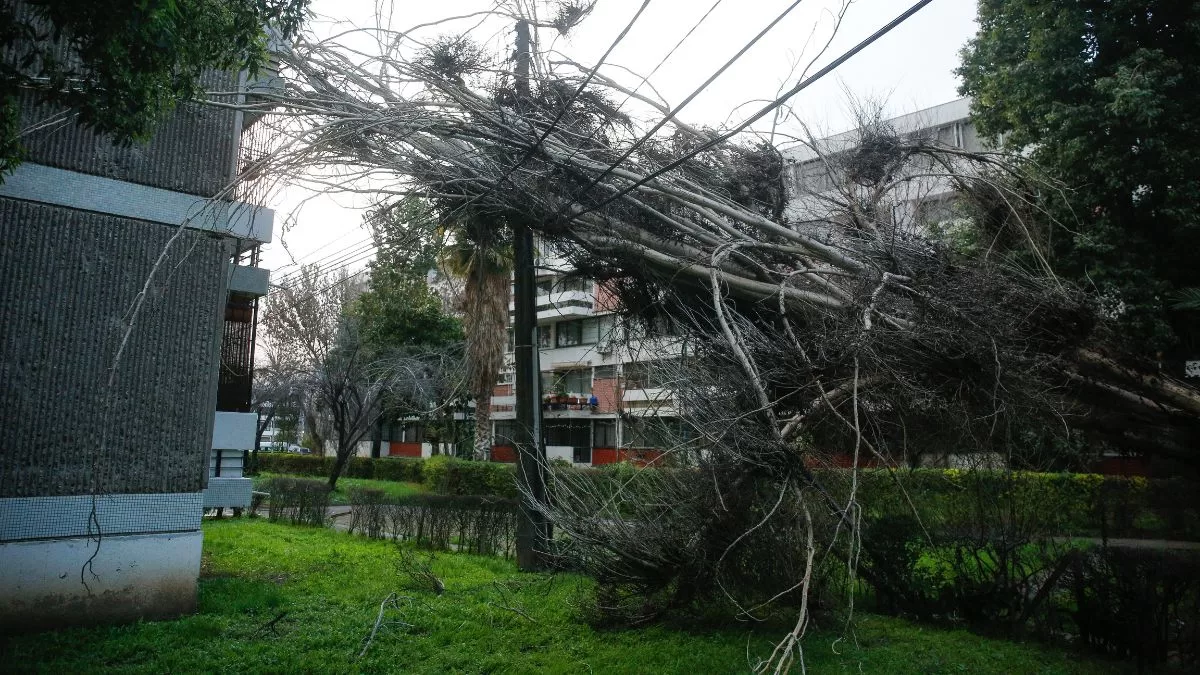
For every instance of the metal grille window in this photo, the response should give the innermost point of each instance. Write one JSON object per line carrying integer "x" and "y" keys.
{"x": 235, "y": 380}
{"x": 575, "y": 433}
{"x": 506, "y": 434}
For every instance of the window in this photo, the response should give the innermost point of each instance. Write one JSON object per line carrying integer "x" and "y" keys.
{"x": 412, "y": 432}
{"x": 648, "y": 374}
{"x": 575, "y": 382}
{"x": 506, "y": 434}
{"x": 512, "y": 341}
{"x": 569, "y": 333}
{"x": 581, "y": 455}
{"x": 659, "y": 433}
{"x": 582, "y": 331}
{"x": 505, "y": 377}
{"x": 605, "y": 372}
{"x": 545, "y": 285}
{"x": 544, "y": 334}
{"x": 574, "y": 284}
{"x": 573, "y": 433}
{"x": 604, "y": 434}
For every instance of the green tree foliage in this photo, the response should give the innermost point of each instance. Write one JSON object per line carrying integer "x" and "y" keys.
{"x": 1106, "y": 96}
{"x": 399, "y": 310}
{"x": 127, "y": 63}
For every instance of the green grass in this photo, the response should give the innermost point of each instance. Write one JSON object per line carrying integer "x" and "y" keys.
{"x": 328, "y": 585}
{"x": 341, "y": 496}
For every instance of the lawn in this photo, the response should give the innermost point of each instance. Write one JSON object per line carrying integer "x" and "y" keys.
{"x": 327, "y": 587}
{"x": 341, "y": 496}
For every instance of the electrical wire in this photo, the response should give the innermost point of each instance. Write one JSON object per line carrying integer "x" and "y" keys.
{"x": 769, "y": 107}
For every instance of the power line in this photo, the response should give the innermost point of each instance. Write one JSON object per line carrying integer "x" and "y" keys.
{"x": 803, "y": 84}
{"x": 563, "y": 109}
{"x": 646, "y": 78}
{"x": 690, "y": 97}
{"x": 331, "y": 258}
{"x": 299, "y": 262}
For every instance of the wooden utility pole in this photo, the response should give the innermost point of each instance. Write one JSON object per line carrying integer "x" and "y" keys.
{"x": 533, "y": 530}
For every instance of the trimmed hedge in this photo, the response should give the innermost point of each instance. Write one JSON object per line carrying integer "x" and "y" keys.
{"x": 1061, "y": 504}
{"x": 449, "y": 476}
{"x": 1047, "y": 504}
{"x": 298, "y": 500}
{"x": 440, "y": 474}
{"x": 389, "y": 468}
{"x": 482, "y": 525}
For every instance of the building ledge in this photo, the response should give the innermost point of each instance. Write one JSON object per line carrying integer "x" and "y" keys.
{"x": 87, "y": 192}
{"x": 231, "y": 493}
{"x": 249, "y": 280}
{"x": 234, "y": 431}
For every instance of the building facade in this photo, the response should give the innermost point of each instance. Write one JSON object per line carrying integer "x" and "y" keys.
{"x": 604, "y": 398}
{"x": 602, "y": 401}
{"x": 128, "y": 294}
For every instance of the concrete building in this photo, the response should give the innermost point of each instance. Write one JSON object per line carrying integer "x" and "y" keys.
{"x": 814, "y": 170}
{"x": 127, "y": 310}
{"x": 601, "y": 400}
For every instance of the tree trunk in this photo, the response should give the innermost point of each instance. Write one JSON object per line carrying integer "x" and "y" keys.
{"x": 485, "y": 320}
{"x": 339, "y": 465}
{"x": 263, "y": 423}
{"x": 310, "y": 423}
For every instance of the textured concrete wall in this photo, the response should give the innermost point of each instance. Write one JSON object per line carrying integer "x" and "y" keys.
{"x": 67, "y": 281}
{"x": 192, "y": 151}
{"x": 137, "y": 577}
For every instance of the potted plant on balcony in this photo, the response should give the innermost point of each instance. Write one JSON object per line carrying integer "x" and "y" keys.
{"x": 560, "y": 393}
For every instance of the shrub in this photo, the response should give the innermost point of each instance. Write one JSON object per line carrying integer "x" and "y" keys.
{"x": 297, "y": 500}
{"x": 1141, "y": 603}
{"x": 450, "y": 476}
{"x": 1060, "y": 504}
{"x": 296, "y": 465}
{"x": 390, "y": 468}
{"x": 467, "y": 523}
{"x": 367, "y": 514}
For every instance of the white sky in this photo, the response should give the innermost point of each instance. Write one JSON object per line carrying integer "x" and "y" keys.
{"x": 910, "y": 68}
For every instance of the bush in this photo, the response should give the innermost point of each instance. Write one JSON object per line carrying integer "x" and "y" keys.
{"x": 467, "y": 523}
{"x": 297, "y": 500}
{"x": 391, "y": 468}
{"x": 449, "y": 476}
{"x": 1140, "y": 603}
{"x": 992, "y": 554}
{"x": 1063, "y": 504}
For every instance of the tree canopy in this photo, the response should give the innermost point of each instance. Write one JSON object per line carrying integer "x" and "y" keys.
{"x": 1105, "y": 96}
{"x": 121, "y": 66}
{"x": 398, "y": 309}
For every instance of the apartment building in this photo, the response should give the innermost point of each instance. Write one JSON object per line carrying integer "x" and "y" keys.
{"x": 128, "y": 296}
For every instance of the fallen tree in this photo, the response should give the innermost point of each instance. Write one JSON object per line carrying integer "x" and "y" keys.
{"x": 818, "y": 324}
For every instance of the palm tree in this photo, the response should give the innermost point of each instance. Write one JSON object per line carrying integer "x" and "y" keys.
{"x": 482, "y": 256}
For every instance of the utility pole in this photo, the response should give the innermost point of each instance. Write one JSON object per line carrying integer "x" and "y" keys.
{"x": 533, "y": 530}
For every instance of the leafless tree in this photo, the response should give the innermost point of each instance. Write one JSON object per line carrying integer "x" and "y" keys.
{"x": 829, "y": 319}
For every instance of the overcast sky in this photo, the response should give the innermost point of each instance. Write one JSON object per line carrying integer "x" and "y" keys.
{"x": 911, "y": 68}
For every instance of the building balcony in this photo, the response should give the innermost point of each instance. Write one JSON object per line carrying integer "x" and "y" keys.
{"x": 552, "y": 306}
